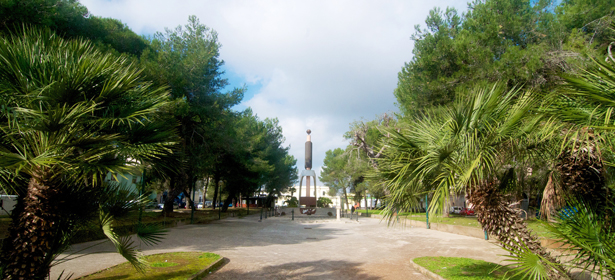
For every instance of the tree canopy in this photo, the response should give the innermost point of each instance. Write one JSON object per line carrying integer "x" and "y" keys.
{"x": 83, "y": 98}
{"x": 520, "y": 43}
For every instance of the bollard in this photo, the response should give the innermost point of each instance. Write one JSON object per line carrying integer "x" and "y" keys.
{"x": 486, "y": 235}
{"x": 261, "y": 215}
{"x": 293, "y": 213}
{"x": 427, "y": 210}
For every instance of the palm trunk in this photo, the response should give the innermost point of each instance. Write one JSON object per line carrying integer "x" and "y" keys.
{"x": 504, "y": 223}
{"x": 33, "y": 232}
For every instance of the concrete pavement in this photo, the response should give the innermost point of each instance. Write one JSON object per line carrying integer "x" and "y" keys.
{"x": 278, "y": 248}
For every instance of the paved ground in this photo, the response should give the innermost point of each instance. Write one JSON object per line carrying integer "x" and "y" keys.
{"x": 278, "y": 248}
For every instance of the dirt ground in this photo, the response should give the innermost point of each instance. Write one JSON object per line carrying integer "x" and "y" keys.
{"x": 278, "y": 248}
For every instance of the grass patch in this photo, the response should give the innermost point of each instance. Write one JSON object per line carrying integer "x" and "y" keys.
{"x": 163, "y": 264}
{"x": 372, "y": 212}
{"x": 452, "y": 268}
{"x": 460, "y": 220}
{"x": 470, "y": 221}
{"x": 173, "y": 266}
{"x": 127, "y": 225}
{"x": 537, "y": 227}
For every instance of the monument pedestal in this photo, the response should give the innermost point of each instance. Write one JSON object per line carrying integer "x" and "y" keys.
{"x": 307, "y": 200}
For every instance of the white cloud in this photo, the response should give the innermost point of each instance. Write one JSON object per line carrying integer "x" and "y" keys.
{"x": 322, "y": 64}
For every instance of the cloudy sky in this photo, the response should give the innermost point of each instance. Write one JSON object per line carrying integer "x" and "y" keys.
{"x": 312, "y": 64}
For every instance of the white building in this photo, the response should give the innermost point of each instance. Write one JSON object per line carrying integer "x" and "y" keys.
{"x": 321, "y": 191}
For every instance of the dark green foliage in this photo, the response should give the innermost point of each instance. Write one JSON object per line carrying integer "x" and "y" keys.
{"x": 520, "y": 42}
{"x": 592, "y": 17}
{"x": 323, "y": 202}
{"x": 70, "y": 19}
{"x": 69, "y": 112}
{"x": 186, "y": 60}
{"x": 292, "y": 202}
{"x": 257, "y": 160}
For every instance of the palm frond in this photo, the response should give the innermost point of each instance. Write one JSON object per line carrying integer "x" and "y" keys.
{"x": 529, "y": 265}
{"x": 151, "y": 234}
{"x": 123, "y": 244}
{"x": 588, "y": 233}
{"x": 446, "y": 150}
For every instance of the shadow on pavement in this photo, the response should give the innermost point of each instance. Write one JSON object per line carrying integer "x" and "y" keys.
{"x": 323, "y": 269}
{"x": 229, "y": 234}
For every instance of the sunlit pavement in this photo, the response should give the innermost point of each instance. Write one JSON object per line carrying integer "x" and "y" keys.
{"x": 278, "y": 248}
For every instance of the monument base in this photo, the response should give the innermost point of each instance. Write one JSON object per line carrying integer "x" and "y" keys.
{"x": 307, "y": 201}
{"x": 308, "y": 211}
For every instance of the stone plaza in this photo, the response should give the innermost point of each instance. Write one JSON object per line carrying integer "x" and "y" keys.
{"x": 306, "y": 248}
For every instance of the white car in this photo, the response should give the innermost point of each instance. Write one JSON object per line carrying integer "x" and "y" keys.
{"x": 456, "y": 209}
{"x": 199, "y": 206}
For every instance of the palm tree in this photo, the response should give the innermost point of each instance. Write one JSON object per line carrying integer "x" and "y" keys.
{"x": 70, "y": 115}
{"x": 469, "y": 147}
{"x": 586, "y": 103}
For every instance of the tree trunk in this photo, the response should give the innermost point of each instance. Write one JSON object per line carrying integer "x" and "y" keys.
{"x": 227, "y": 201}
{"x": 346, "y": 196}
{"x": 174, "y": 190}
{"x": 365, "y": 199}
{"x": 34, "y": 231}
{"x": 189, "y": 199}
{"x": 190, "y": 191}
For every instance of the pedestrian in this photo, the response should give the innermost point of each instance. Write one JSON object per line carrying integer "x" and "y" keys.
{"x": 352, "y": 209}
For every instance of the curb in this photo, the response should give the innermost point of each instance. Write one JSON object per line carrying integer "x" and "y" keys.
{"x": 425, "y": 272}
{"x": 210, "y": 268}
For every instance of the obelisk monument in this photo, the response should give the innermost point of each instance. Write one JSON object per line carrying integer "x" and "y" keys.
{"x": 307, "y": 201}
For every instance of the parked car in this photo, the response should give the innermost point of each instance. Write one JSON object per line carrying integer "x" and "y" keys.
{"x": 455, "y": 209}
{"x": 160, "y": 206}
{"x": 199, "y": 206}
{"x": 466, "y": 211}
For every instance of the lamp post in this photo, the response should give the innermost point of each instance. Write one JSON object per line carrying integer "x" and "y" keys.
{"x": 366, "y": 206}
{"x": 427, "y": 210}
{"x": 141, "y": 191}
{"x": 192, "y": 212}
